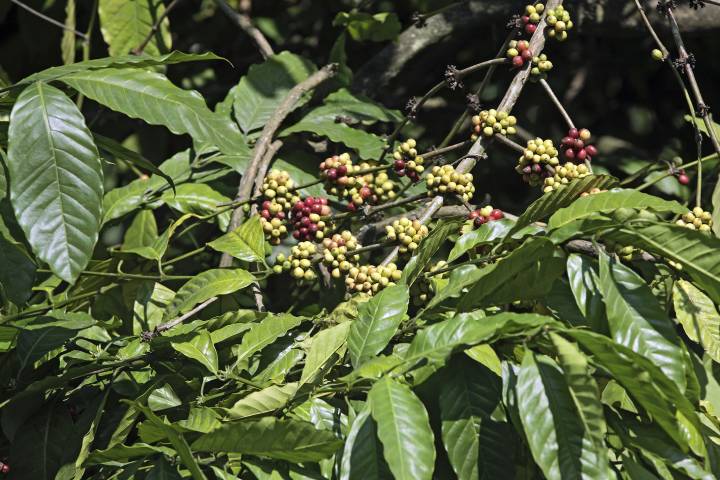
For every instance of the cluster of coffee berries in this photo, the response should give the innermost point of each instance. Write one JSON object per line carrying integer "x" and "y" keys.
{"x": 279, "y": 196}
{"x": 490, "y": 122}
{"x": 541, "y": 65}
{"x": 338, "y": 253}
{"x": 370, "y": 188}
{"x": 445, "y": 180}
{"x": 559, "y": 20}
{"x": 278, "y": 187}
{"x": 307, "y": 218}
{"x": 337, "y": 171}
{"x": 407, "y": 161}
{"x": 406, "y": 233}
{"x": 519, "y": 52}
{"x": 697, "y": 219}
{"x": 484, "y": 215}
{"x": 575, "y": 146}
{"x": 625, "y": 252}
{"x": 299, "y": 263}
{"x": 592, "y": 191}
{"x": 424, "y": 288}
{"x": 537, "y": 157}
{"x": 371, "y": 279}
{"x": 532, "y": 17}
{"x": 273, "y": 220}
{"x": 563, "y": 175}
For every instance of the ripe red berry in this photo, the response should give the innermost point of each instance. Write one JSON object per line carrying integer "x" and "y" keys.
{"x": 474, "y": 214}
{"x": 530, "y": 28}
{"x": 497, "y": 214}
{"x": 479, "y": 221}
{"x": 573, "y": 133}
{"x": 518, "y": 61}
{"x": 5, "y": 468}
{"x": 581, "y": 154}
{"x": 568, "y": 141}
{"x": 341, "y": 170}
{"x": 523, "y": 45}
{"x": 526, "y": 55}
{"x": 399, "y": 165}
{"x": 570, "y": 153}
{"x": 683, "y": 179}
{"x": 525, "y": 19}
{"x": 591, "y": 150}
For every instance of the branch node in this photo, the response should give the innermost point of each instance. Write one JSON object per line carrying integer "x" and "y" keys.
{"x": 418, "y": 19}
{"x": 703, "y": 110}
{"x": 682, "y": 62}
{"x": 452, "y": 77}
{"x": 473, "y": 103}
{"x": 696, "y": 4}
{"x": 665, "y": 6}
{"x": 411, "y": 108}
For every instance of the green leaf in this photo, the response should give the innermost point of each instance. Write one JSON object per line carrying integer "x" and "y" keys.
{"x": 263, "y": 402}
{"x": 637, "y": 321}
{"x": 142, "y": 232}
{"x": 698, "y": 316}
{"x": 265, "y": 333}
{"x": 363, "y": 26}
{"x": 33, "y": 344}
{"x": 265, "y": 86}
{"x": 176, "y": 439}
{"x": 290, "y": 440}
{"x": 468, "y": 396}
{"x": 553, "y": 201}
{"x": 586, "y": 397}
{"x": 698, "y": 253}
{"x": 89, "y": 437}
{"x": 403, "y": 427}
{"x": 163, "y": 398}
{"x": 528, "y": 272}
{"x": 162, "y": 470}
{"x": 644, "y": 381}
{"x": 56, "y": 181}
{"x": 363, "y": 457}
{"x": 351, "y": 109}
{"x": 120, "y": 201}
{"x": 123, "y": 61}
{"x": 126, "y": 23}
{"x": 377, "y": 322}
{"x": 198, "y": 198}
{"x": 325, "y": 346}
{"x": 67, "y": 44}
{"x": 206, "y": 285}
{"x": 584, "y": 283}
{"x": 151, "y": 97}
{"x": 149, "y": 307}
{"x": 17, "y": 272}
{"x": 555, "y": 434}
{"x": 121, "y": 453}
{"x": 117, "y": 151}
{"x": 246, "y": 243}
{"x": 436, "y": 342}
{"x": 485, "y": 234}
{"x": 428, "y": 247}
{"x": 200, "y": 348}
{"x": 608, "y": 202}
{"x": 201, "y": 419}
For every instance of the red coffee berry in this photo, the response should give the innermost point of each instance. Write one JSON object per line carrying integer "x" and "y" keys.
{"x": 570, "y": 154}
{"x": 497, "y": 214}
{"x": 523, "y": 45}
{"x": 518, "y": 61}
{"x": 530, "y": 28}
{"x": 591, "y": 150}
{"x": 525, "y": 19}
{"x": 683, "y": 179}
{"x": 573, "y": 133}
{"x": 5, "y": 468}
{"x": 526, "y": 55}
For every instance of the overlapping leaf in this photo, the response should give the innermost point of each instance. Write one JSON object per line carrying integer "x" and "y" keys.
{"x": 126, "y": 23}
{"x": 698, "y": 316}
{"x": 205, "y": 285}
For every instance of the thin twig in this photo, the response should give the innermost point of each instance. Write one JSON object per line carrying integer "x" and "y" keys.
{"x": 537, "y": 42}
{"x": 556, "y": 101}
{"x": 478, "y": 93}
{"x": 245, "y": 23}
{"x": 48, "y": 19}
{"x": 141, "y": 48}
{"x": 164, "y": 327}
{"x": 261, "y": 147}
{"x": 509, "y": 143}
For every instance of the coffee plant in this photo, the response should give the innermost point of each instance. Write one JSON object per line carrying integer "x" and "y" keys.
{"x": 314, "y": 284}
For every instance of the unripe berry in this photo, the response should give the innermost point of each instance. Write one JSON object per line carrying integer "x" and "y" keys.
{"x": 657, "y": 55}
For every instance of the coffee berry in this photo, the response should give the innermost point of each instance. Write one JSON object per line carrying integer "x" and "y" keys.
{"x": 564, "y": 174}
{"x": 424, "y": 288}
{"x": 560, "y": 23}
{"x": 406, "y": 233}
{"x": 407, "y": 162}
{"x": 592, "y": 191}
{"x": 371, "y": 279}
{"x": 444, "y": 180}
{"x": 537, "y": 157}
{"x": 697, "y": 219}
{"x": 278, "y": 187}
{"x": 682, "y": 177}
{"x": 338, "y": 253}
{"x": 490, "y": 122}
{"x": 575, "y": 146}
{"x": 371, "y": 188}
{"x": 307, "y": 218}
{"x": 484, "y": 215}
{"x": 273, "y": 221}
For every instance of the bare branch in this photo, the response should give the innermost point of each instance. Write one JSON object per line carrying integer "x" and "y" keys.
{"x": 245, "y": 23}
{"x": 49, "y": 19}
{"x": 156, "y": 26}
